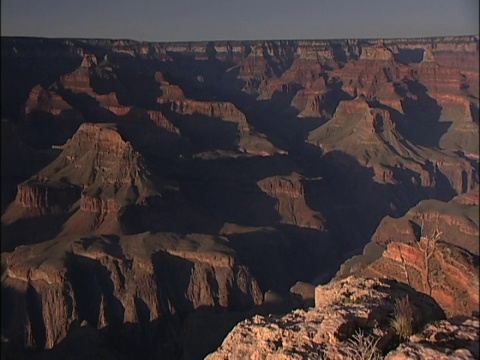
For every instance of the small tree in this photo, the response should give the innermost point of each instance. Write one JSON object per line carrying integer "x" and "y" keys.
{"x": 427, "y": 245}
{"x": 403, "y": 265}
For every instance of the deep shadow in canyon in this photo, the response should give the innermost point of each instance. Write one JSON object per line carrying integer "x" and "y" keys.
{"x": 222, "y": 193}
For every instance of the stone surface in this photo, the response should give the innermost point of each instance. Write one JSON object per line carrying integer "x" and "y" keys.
{"x": 292, "y": 152}
{"x": 445, "y": 232}
{"x": 445, "y": 339}
{"x": 110, "y": 282}
{"x": 341, "y": 308}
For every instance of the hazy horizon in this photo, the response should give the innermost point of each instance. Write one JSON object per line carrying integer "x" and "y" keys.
{"x": 214, "y": 20}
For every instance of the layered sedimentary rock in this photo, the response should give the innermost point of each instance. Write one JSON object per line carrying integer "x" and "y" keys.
{"x": 45, "y": 100}
{"x": 434, "y": 248}
{"x": 293, "y": 150}
{"x": 47, "y": 113}
{"x": 341, "y": 309}
{"x": 97, "y": 171}
{"x": 117, "y": 167}
{"x": 45, "y": 196}
{"x": 450, "y": 88}
{"x": 444, "y": 339}
{"x": 374, "y": 75}
{"x": 225, "y": 111}
{"x": 370, "y": 135}
{"x": 245, "y": 139}
{"x": 109, "y": 282}
{"x": 169, "y": 92}
{"x": 309, "y": 101}
{"x": 291, "y": 205}
{"x": 97, "y": 80}
{"x": 161, "y": 121}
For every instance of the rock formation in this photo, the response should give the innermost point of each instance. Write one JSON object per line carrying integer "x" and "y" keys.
{"x": 344, "y": 308}
{"x": 97, "y": 172}
{"x": 426, "y": 248}
{"x": 109, "y": 282}
{"x": 195, "y": 184}
{"x": 444, "y": 339}
{"x": 291, "y": 206}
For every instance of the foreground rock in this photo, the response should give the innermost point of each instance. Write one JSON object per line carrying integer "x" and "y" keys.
{"x": 445, "y": 339}
{"x": 341, "y": 309}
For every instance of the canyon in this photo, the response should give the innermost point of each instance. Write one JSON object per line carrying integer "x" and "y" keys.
{"x": 154, "y": 195}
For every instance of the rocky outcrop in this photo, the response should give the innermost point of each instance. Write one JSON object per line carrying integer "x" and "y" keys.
{"x": 469, "y": 198}
{"x": 309, "y": 101}
{"x": 444, "y": 339}
{"x": 161, "y": 121}
{"x": 294, "y": 150}
{"x": 223, "y": 110}
{"x": 434, "y": 248}
{"x": 111, "y": 165}
{"x": 370, "y": 135}
{"x": 373, "y": 76}
{"x": 341, "y": 309}
{"x": 79, "y": 80}
{"x": 362, "y": 131}
{"x": 108, "y": 282}
{"x": 245, "y": 139}
{"x": 44, "y": 100}
{"x": 376, "y": 54}
{"x": 45, "y": 196}
{"x": 291, "y": 202}
{"x": 99, "y": 81}
{"x": 97, "y": 205}
{"x": 457, "y": 222}
{"x": 439, "y": 275}
{"x": 97, "y": 168}
{"x": 169, "y": 92}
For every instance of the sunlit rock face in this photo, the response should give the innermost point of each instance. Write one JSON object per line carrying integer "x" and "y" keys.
{"x": 156, "y": 194}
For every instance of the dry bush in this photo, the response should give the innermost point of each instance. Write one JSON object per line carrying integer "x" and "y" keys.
{"x": 363, "y": 347}
{"x": 403, "y": 320}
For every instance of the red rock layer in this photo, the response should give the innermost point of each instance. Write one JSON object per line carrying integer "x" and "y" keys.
{"x": 434, "y": 248}
{"x": 449, "y": 276}
{"x": 372, "y": 75}
{"x": 370, "y": 135}
{"x": 45, "y": 197}
{"x": 162, "y": 121}
{"x": 291, "y": 203}
{"x": 309, "y": 101}
{"x": 44, "y": 100}
{"x": 88, "y": 281}
{"x": 223, "y": 110}
{"x": 98, "y": 163}
{"x": 327, "y": 331}
{"x": 97, "y": 205}
{"x": 169, "y": 92}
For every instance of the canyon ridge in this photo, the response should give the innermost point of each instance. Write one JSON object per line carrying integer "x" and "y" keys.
{"x": 155, "y": 195}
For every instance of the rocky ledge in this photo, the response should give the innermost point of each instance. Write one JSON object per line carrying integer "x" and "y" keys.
{"x": 350, "y": 313}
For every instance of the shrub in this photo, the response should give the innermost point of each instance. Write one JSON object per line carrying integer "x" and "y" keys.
{"x": 363, "y": 347}
{"x": 403, "y": 321}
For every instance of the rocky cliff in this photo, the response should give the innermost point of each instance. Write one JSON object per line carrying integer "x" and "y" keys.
{"x": 349, "y": 316}
{"x": 97, "y": 172}
{"x": 288, "y": 153}
{"x": 291, "y": 204}
{"x": 110, "y": 283}
{"x": 426, "y": 248}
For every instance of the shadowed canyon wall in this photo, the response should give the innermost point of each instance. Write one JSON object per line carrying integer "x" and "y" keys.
{"x": 159, "y": 193}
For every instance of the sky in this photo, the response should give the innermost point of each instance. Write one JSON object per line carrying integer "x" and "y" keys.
{"x": 194, "y": 20}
